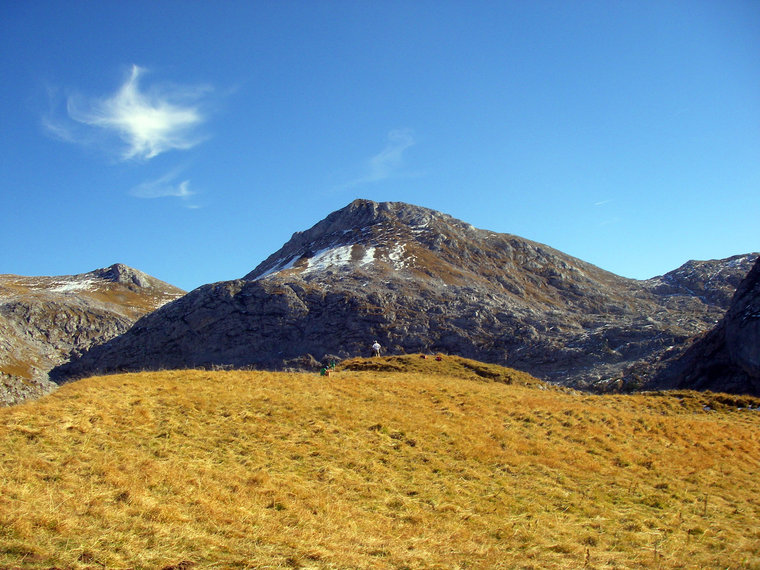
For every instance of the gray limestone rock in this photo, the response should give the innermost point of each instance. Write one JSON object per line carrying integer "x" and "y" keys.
{"x": 418, "y": 280}
{"x": 727, "y": 358}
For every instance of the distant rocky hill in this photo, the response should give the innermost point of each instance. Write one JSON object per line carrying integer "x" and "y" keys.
{"x": 418, "y": 280}
{"x": 727, "y": 358}
{"x": 45, "y": 321}
{"x": 714, "y": 281}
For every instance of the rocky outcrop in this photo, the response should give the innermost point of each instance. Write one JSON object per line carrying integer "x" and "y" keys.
{"x": 727, "y": 358}
{"x": 45, "y": 321}
{"x": 418, "y": 280}
{"x": 742, "y": 324}
{"x": 713, "y": 282}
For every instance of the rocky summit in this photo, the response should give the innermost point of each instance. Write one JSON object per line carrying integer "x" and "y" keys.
{"x": 417, "y": 280}
{"x": 45, "y": 321}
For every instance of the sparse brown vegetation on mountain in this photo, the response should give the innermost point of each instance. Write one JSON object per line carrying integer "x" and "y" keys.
{"x": 376, "y": 469}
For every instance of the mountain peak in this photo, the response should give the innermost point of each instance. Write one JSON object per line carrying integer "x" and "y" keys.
{"x": 363, "y": 214}
{"x": 353, "y": 233}
{"x": 124, "y": 275}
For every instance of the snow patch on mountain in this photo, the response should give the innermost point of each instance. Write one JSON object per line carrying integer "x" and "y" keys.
{"x": 280, "y": 265}
{"x": 337, "y": 257}
{"x": 328, "y": 258}
{"x": 331, "y": 257}
{"x": 369, "y": 256}
{"x": 72, "y": 286}
{"x": 397, "y": 256}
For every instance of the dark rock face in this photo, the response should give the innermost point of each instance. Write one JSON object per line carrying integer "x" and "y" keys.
{"x": 727, "y": 358}
{"x": 743, "y": 326}
{"x": 44, "y": 321}
{"x": 418, "y": 280}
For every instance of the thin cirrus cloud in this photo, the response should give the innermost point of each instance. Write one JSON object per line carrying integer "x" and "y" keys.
{"x": 609, "y": 220}
{"x": 148, "y": 122}
{"x": 163, "y": 187}
{"x": 387, "y": 163}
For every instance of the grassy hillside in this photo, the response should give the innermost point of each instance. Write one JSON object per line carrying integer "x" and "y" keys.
{"x": 384, "y": 468}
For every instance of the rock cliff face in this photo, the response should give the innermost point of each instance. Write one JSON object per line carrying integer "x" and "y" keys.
{"x": 418, "y": 280}
{"x": 44, "y": 321}
{"x": 727, "y": 358}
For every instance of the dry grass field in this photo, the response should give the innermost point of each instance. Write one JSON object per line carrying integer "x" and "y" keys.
{"x": 396, "y": 463}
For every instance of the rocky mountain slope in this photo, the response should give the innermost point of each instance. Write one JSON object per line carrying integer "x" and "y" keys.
{"x": 44, "y": 321}
{"x": 714, "y": 281}
{"x": 418, "y": 280}
{"x": 727, "y": 358}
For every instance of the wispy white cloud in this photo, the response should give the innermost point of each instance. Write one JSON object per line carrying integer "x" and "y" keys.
{"x": 149, "y": 122}
{"x": 611, "y": 219}
{"x": 165, "y": 187}
{"x": 388, "y": 162}
{"x": 59, "y": 127}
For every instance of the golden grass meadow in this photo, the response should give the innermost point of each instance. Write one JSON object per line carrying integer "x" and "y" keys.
{"x": 399, "y": 462}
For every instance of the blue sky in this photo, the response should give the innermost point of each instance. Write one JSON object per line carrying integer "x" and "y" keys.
{"x": 191, "y": 139}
